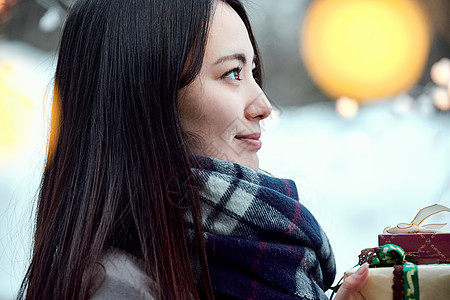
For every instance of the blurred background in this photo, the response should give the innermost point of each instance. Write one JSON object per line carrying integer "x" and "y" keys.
{"x": 361, "y": 122}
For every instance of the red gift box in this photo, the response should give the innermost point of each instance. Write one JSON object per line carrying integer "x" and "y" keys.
{"x": 433, "y": 248}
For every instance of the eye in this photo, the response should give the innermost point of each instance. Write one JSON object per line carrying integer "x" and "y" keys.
{"x": 234, "y": 74}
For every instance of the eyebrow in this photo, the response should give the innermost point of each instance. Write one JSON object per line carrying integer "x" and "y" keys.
{"x": 237, "y": 56}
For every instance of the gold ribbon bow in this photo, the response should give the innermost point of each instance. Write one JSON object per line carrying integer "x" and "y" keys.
{"x": 415, "y": 226}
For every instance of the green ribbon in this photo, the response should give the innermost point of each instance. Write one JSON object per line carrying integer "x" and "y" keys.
{"x": 388, "y": 256}
{"x": 391, "y": 255}
{"x": 411, "y": 281}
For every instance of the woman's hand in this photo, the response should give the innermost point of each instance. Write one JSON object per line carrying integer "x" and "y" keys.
{"x": 353, "y": 284}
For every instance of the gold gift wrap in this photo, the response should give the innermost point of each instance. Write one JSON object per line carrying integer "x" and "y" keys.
{"x": 434, "y": 283}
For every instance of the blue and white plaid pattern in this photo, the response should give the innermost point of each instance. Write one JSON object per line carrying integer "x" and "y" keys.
{"x": 261, "y": 242}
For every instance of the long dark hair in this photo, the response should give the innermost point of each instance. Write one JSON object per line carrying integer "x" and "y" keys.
{"x": 114, "y": 178}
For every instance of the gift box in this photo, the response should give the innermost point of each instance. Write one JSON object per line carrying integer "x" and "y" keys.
{"x": 432, "y": 248}
{"x": 411, "y": 262}
{"x": 433, "y": 281}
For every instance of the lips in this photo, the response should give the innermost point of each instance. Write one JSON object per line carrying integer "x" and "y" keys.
{"x": 251, "y": 136}
{"x": 251, "y": 140}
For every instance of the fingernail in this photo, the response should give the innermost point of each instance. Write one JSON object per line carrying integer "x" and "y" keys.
{"x": 362, "y": 268}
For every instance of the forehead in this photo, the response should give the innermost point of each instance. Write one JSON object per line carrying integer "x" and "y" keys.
{"x": 227, "y": 34}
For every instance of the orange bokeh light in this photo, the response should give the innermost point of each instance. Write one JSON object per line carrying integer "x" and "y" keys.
{"x": 55, "y": 124}
{"x": 15, "y": 114}
{"x": 365, "y": 49}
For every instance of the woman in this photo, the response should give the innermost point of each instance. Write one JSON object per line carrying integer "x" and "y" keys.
{"x": 130, "y": 207}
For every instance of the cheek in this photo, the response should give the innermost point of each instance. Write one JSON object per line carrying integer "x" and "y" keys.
{"x": 191, "y": 107}
{"x": 221, "y": 112}
{"x": 210, "y": 110}
{"x": 190, "y": 114}
{"x": 205, "y": 119}
{"x": 224, "y": 120}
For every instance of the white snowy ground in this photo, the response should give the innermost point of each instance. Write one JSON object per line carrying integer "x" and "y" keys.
{"x": 356, "y": 176}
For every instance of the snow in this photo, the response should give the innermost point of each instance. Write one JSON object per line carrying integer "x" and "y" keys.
{"x": 356, "y": 176}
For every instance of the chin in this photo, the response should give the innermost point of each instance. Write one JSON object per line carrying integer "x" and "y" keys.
{"x": 252, "y": 162}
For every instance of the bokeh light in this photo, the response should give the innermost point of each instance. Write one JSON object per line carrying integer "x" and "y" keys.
{"x": 15, "y": 114}
{"x": 347, "y": 107}
{"x": 6, "y": 7}
{"x": 54, "y": 124}
{"x": 441, "y": 99}
{"x": 365, "y": 49}
{"x": 440, "y": 72}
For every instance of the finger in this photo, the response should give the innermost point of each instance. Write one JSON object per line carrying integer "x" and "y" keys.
{"x": 353, "y": 283}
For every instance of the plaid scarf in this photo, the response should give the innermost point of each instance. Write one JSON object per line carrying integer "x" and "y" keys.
{"x": 261, "y": 242}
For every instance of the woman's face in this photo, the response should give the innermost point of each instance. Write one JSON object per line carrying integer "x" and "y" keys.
{"x": 224, "y": 105}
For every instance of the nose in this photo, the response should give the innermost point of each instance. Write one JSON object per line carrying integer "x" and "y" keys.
{"x": 259, "y": 106}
